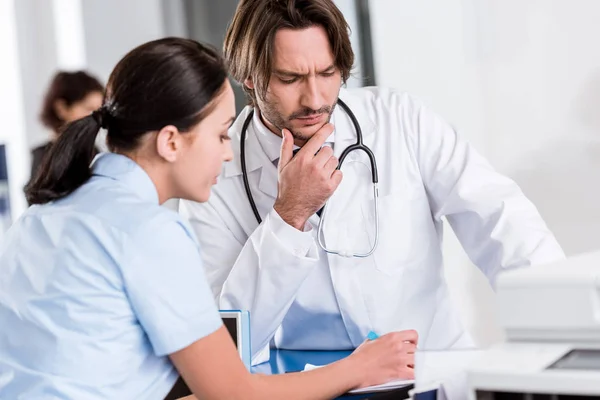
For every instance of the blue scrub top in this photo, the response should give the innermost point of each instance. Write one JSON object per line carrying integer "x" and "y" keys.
{"x": 96, "y": 289}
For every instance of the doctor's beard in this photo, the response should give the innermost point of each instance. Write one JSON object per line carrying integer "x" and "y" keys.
{"x": 270, "y": 112}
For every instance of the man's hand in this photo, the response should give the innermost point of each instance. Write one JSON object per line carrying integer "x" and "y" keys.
{"x": 307, "y": 179}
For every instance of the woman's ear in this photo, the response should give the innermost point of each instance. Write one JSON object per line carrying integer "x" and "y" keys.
{"x": 169, "y": 143}
{"x": 249, "y": 83}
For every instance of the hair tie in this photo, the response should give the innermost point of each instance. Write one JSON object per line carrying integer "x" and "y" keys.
{"x": 101, "y": 117}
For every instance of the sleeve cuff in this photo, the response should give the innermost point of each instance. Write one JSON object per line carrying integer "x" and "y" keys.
{"x": 301, "y": 242}
{"x": 196, "y": 329}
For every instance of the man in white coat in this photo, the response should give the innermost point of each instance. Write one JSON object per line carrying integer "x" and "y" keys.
{"x": 292, "y": 57}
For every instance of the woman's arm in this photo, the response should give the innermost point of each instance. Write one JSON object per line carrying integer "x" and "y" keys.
{"x": 212, "y": 369}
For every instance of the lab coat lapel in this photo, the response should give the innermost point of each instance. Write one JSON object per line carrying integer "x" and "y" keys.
{"x": 268, "y": 180}
{"x": 257, "y": 160}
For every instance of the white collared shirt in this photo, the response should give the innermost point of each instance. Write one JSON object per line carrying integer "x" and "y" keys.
{"x": 315, "y": 310}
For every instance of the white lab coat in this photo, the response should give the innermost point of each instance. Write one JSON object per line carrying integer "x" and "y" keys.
{"x": 425, "y": 172}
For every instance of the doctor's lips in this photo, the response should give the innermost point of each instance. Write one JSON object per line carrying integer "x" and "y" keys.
{"x": 312, "y": 119}
{"x": 308, "y": 114}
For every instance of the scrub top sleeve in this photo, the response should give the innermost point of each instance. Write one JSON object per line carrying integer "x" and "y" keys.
{"x": 167, "y": 287}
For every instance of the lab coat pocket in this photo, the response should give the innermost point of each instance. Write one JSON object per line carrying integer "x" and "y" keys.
{"x": 404, "y": 231}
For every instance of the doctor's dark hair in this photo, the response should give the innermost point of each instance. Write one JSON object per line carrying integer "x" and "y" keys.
{"x": 168, "y": 81}
{"x": 248, "y": 47}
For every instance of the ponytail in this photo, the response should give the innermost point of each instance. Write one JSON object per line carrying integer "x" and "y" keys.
{"x": 67, "y": 165}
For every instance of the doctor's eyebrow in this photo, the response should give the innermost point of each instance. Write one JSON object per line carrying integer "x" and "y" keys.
{"x": 229, "y": 122}
{"x": 292, "y": 74}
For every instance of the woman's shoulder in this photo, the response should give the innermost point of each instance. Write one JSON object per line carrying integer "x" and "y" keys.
{"x": 149, "y": 225}
{"x": 145, "y": 219}
{"x": 103, "y": 205}
{"x": 123, "y": 209}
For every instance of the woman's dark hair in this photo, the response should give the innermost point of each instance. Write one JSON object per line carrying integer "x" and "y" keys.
{"x": 69, "y": 87}
{"x": 168, "y": 81}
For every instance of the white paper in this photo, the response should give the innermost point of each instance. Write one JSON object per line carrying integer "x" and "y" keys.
{"x": 400, "y": 383}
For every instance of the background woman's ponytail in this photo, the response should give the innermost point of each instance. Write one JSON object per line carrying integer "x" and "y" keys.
{"x": 67, "y": 165}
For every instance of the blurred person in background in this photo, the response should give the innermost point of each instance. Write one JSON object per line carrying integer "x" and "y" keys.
{"x": 70, "y": 96}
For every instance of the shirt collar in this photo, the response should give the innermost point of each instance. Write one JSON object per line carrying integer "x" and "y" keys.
{"x": 270, "y": 142}
{"x": 126, "y": 171}
{"x": 362, "y": 101}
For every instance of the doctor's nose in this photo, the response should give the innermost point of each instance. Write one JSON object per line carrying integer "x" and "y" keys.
{"x": 311, "y": 96}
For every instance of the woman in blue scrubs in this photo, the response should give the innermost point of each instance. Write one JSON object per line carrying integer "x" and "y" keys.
{"x": 102, "y": 291}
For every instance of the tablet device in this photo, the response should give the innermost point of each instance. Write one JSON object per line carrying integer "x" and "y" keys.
{"x": 237, "y": 323}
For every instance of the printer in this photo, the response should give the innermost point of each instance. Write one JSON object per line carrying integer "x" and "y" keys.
{"x": 551, "y": 317}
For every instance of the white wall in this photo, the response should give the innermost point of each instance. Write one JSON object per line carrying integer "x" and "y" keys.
{"x": 348, "y": 8}
{"x": 38, "y": 61}
{"x": 49, "y": 38}
{"x": 521, "y": 81}
{"x": 69, "y": 34}
{"x": 113, "y": 27}
{"x": 545, "y": 75}
{"x": 12, "y": 111}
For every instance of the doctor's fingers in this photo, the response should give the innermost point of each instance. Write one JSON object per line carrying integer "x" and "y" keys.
{"x": 315, "y": 143}
{"x": 323, "y": 156}
{"x": 331, "y": 165}
{"x": 336, "y": 178}
{"x": 287, "y": 149}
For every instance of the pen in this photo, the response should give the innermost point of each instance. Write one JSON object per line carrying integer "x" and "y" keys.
{"x": 372, "y": 335}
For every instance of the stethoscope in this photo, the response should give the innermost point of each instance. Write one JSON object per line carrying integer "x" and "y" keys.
{"x": 357, "y": 146}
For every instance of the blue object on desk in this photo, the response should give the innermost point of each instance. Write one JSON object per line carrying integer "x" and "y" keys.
{"x": 237, "y": 323}
{"x": 372, "y": 335}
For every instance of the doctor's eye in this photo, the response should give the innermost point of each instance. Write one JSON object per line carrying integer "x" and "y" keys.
{"x": 288, "y": 81}
{"x": 224, "y": 138}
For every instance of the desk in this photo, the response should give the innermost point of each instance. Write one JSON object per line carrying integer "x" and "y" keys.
{"x": 442, "y": 374}
{"x": 283, "y": 361}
